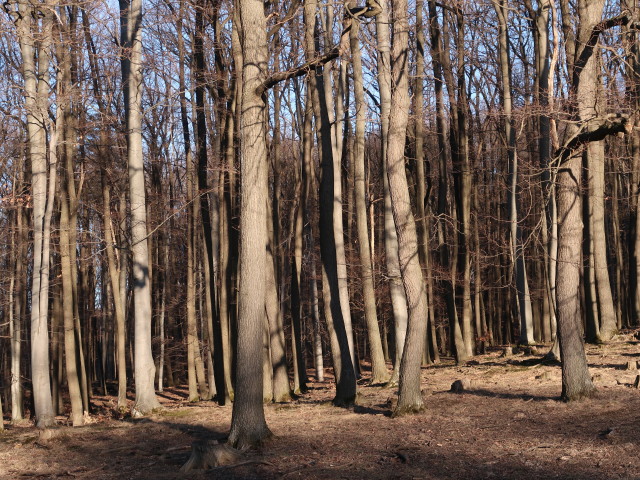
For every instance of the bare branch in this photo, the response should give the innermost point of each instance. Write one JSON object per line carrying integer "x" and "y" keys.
{"x": 611, "y": 125}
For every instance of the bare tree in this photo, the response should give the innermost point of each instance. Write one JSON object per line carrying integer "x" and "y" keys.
{"x": 131, "y": 42}
{"x": 248, "y": 425}
{"x": 409, "y": 396}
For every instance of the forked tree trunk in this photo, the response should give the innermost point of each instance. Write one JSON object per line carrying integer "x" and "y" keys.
{"x": 36, "y": 91}
{"x": 576, "y": 382}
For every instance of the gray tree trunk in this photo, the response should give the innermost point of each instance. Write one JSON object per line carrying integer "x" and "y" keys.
{"x": 525, "y": 311}
{"x": 144, "y": 367}
{"x": 409, "y": 395}
{"x": 33, "y": 38}
{"x": 248, "y": 425}
{"x": 342, "y": 362}
{"x": 576, "y": 382}
{"x": 379, "y": 372}
{"x": 398, "y": 299}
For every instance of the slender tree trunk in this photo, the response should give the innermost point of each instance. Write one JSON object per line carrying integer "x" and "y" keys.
{"x": 67, "y": 302}
{"x": 192, "y": 332}
{"x": 281, "y": 387}
{"x": 606, "y": 310}
{"x": 118, "y": 301}
{"x": 343, "y": 365}
{"x": 517, "y": 251}
{"x": 203, "y": 194}
{"x": 15, "y": 324}
{"x": 439, "y": 61}
{"x": 379, "y": 372}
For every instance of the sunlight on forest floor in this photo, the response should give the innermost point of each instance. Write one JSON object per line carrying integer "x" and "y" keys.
{"x": 508, "y": 424}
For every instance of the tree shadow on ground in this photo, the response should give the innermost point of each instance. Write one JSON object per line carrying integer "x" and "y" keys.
{"x": 480, "y": 392}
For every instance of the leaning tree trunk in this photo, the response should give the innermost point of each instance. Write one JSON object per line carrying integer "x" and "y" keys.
{"x": 409, "y": 395}
{"x": 248, "y": 425}
{"x": 131, "y": 41}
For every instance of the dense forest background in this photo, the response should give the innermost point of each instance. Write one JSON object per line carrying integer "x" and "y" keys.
{"x": 229, "y": 194}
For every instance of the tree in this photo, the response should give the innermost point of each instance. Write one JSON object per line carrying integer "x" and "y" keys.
{"x": 248, "y": 425}
{"x": 379, "y": 372}
{"x": 131, "y": 42}
{"x": 522, "y": 285}
{"x": 409, "y": 395}
{"x": 582, "y": 58}
{"x": 34, "y": 29}
{"x": 398, "y": 299}
{"x": 342, "y": 363}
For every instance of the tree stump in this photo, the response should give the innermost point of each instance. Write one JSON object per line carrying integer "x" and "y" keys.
{"x": 460, "y": 386}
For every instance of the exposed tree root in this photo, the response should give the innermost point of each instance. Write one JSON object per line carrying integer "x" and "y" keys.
{"x": 410, "y": 409}
{"x": 209, "y": 454}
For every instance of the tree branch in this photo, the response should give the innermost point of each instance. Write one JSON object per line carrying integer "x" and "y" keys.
{"x": 291, "y": 12}
{"x": 609, "y": 126}
{"x": 604, "y": 25}
{"x": 298, "y": 71}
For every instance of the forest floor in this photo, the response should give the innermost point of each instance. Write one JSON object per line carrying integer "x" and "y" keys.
{"x": 509, "y": 424}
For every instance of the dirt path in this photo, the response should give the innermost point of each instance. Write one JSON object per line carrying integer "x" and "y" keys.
{"x": 508, "y": 425}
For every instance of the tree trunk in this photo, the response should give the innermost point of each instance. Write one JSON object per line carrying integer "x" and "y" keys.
{"x": 131, "y": 41}
{"x": 34, "y": 39}
{"x": 576, "y": 382}
{"x": 343, "y": 365}
{"x": 517, "y": 254}
{"x": 281, "y": 387}
{"x": 606, "y": 311}
{"x": 409, "y": 395}
{"x": 248, "y": 425}
{"x": 203, "y": 196}
{"x": 398, "y": 299}
{"x": 379, "y": 372}
{"x": 15, "y": 324}
{"x": 440, "y": 60}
